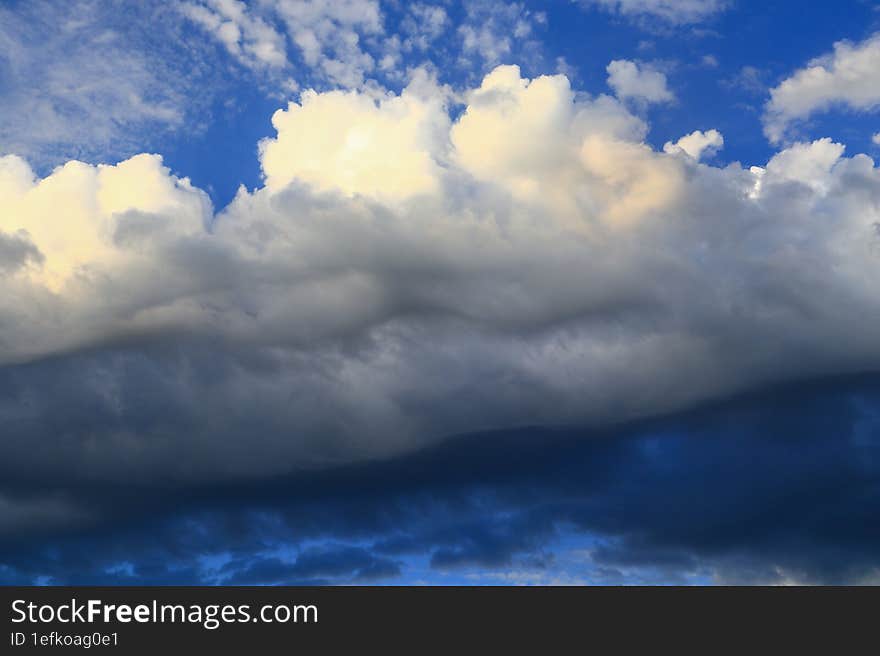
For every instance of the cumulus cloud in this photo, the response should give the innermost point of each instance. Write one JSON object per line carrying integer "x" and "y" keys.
{"x": 809, "y": 164}
{"x": 385, "y": 146}
{"x": 107, "y": 213}
{"x": 558, "y": 140}
{"x": 633, "y": 81}
{"x": 671, "y": 11}
{"x": 404, "y": 276}
{"x": 696, "y": 144}
{"x": 848, "y": 77}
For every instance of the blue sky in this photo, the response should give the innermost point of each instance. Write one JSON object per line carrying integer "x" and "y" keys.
{"x": 482, "y": 292}
{"x": 720, "y": 68}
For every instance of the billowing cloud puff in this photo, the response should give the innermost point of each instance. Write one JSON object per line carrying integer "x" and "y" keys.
{"x": 84, "y": 231}
{"x": 403, "y": 277}
{"x": 849, "y": 76}
{"x": 696, "y": 144}
{"x": 386, "y": 147}
{"x": 88, "y": 220}
{"x": 535, "y": 140}
{"x": 809, "y": 164}
{"x": 633, "y": 81}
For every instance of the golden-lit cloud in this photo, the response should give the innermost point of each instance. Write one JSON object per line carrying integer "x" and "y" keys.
{"x": 385, "y": 147}
{"x": 76, "y": 216}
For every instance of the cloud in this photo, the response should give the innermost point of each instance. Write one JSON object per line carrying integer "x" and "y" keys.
{"x": 775, "y": 487}
{"x": 348, "y": 141}
{"x": 809, "y": 164}
{"x": 671, "y": 11}
{"x": 329, "y": 34}
{"x": 35, "y": 513}
{"x": 529, "y": 261}
{"x": 696, "y": 144}
{"x": 709, "y": 61}
{"x": 332, "y": 44}
{"x": 491, "y": 30}
{"x": 103, "y": 207}
{"x": 80, "y": 79}
{"x": 250, "y": 39}
{"x": 748, "y": 79}
{"x": 556, "y": 137}
{"x": 632, "y": 81}
{"x": 847, "y": 77}
{"x": 423, "y": 24}
{"x": 315, "y": 565}
{"x": 17, "y": 251}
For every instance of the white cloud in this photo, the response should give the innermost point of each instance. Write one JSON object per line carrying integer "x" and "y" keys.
{"x": 492, "y": 30}
{"x": 807, "y": 163}
{"x": 357, "y": 144}
{"x": 102, "y": 205}
{"x": 696, "y": 144}
{"x": 876, "y": 138}
{"x": 337, "y": 41}
{"x": 560, "y": 145}
{"x": 329, "y": 35}
{"x": 847, "y": 77}
{"x": 249, "y": 38}
{"x": 672, "y": 11}
{"x": 80, "y": 81}
{"x": 423, "y": 24}
{"x": 631, "y": 80}
{"x": 532, "y": 261}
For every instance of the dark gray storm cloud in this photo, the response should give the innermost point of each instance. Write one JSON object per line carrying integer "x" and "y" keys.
{"x": 778, "y": 486}
{"x": 16, "y": 251}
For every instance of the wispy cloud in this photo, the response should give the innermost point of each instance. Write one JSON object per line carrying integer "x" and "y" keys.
{"x": 80, "y": 80}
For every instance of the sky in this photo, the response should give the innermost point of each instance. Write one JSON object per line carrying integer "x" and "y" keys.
{"x": 479, "y": 292}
